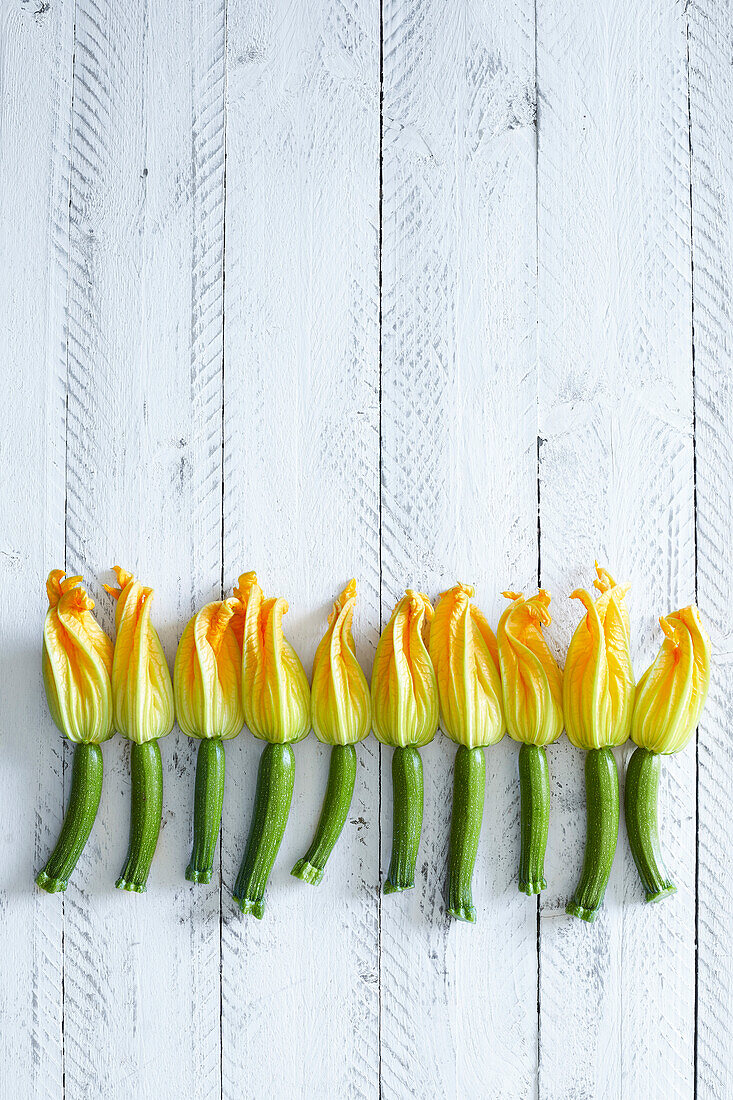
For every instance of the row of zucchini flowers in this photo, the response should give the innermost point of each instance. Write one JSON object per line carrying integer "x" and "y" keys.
{"x": 235, "y": 666}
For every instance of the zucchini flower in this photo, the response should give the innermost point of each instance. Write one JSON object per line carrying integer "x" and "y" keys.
{"x": 598, "y": 696}
{"x": 143, "y": 712}
{"x": 669, "y": 700}
{"x": 341, "y": 715}
{"x": 77, "y": 666}
{"x": 207, "y": 680}
{"x": 532, "y": 690}
{"x": 276, "y": 700}
{"x": 405, "y": 715}
{"x": 463, "y": 650}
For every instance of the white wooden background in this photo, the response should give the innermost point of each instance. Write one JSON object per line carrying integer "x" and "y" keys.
{"x": 439, "y": 291}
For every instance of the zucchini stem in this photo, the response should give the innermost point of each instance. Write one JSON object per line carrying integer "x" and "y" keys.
{"x": 601, "y": 794}
{"x": 407, "y": 789}
{"x": 207, "y": 804}
{"x": 640, "y": 805}
{"x": 275, "y": 778}
{"x": 469, "y": 783}
{"x": 534, "y": 791}
{"x": 339, "y": 791}
{"x": 146, "y": 810}
{"x": 86, "y": 788}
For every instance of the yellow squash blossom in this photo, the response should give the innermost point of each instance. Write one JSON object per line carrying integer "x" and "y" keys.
{"x": 341, "y": 711}
{"x": 77, "y": 668}
{"x": 277, "y": 710}
{"x": 463, "y": 650}
{"x": 141, "y": 681}
{"x": 404, "y": 688}
{"x": 341, "y": 715}
{"x": 464, "y": 653}
{"x": 672, "y": 692}
{"x": 208, "y": 672}
{"x": 669, "y": 701}
{"x": 598, "y": 682}
{"x": 274, "y": 684}
{"x": 531, "y": 678}
{"x": 77, "y": 663}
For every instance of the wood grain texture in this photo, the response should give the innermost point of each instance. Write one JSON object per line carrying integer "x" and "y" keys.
{"x": 536, "y": 306}
{"x": 711, "y": 119}
{"x": 300, "y": 998}
{"x": 35, "y": 107}
{"x": 616, "y": 421}
{"x": 458, "y": 503}
{"x": 142, "y": 989}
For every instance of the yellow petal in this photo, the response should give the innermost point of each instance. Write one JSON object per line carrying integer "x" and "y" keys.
{"x": 598, "y": 682}
{"x": 141, "y": 683}
{"x": 341, "y": 711}
{"x": 672, "y": 692}
{"x": 531, "y": 678}
{"x": 464, "y": 653}
{"x": 77, "y": 663}
{"x": 208, "y": 673}
{"x": 274, "y": 684}
{"x": 404, "y": 689}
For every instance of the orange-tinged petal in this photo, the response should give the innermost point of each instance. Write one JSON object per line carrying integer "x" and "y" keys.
{"x": 672, "y": 692}
{"x": 464, "y": 653}
{"x": 141, "y": 682}
{"x": 77, "y": 663}
{"x": 274, "y": 684}
{"x": 207, "y": 677}
{"x": 531, "y": 678}
{"x": 598, "y": 682}
{"x": 404, "y": 689}
{"x": 341, "y": 710}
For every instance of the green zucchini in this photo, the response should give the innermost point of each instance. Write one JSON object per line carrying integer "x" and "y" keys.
{"x": 469, "y": 783}
{"x": 407, "y": 789}
{"x": 602, "y": 805}
{"x": 534, "y": 791}
{"x": 339, "y": 791}
{"x": 275, "y": 778}
{"x": 640, "y": 805}
{"x": 86, "y": 788}
{"x": 207, "y": 803}
{"x": 145, "y": 815}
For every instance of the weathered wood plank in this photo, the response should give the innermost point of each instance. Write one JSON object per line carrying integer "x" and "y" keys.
{"x": 300, "y": 998}
{"x": 35, "y": 106}
{"x": 142, "y": 986}
{"x": 459, "y": 502}
{"x": 711, "y": 118}
{"x": 616, "y": 417}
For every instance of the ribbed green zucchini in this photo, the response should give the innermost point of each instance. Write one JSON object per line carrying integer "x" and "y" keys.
{"x": 640, "y": 804}
{"x": 601, "y": 794}
{"x": 86, "y": 788}
{"x": 469, "y": 783}
{"x": 207, "y": 803}
{"x": 407, "y": 790}
{"x": 339, "y": 791}
{"x": 145, "y": 815}
{"x": 534, "y": 789}
{"x": 275, "y": 778}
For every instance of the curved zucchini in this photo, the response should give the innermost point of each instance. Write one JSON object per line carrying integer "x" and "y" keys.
{"x": 601, "y": 793}
{"x": 275, "y": 778}
{"x": 534, "y": 789}
{"x": 407, "y": 789}
{"x": 86, "y": 788}
{"x": 207, "y": 803}
{"x": 468, "y": 810}
{"x": 640, "y": 805}
{"x": 339, "y": 791}
{"x": 145, "y": 814}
